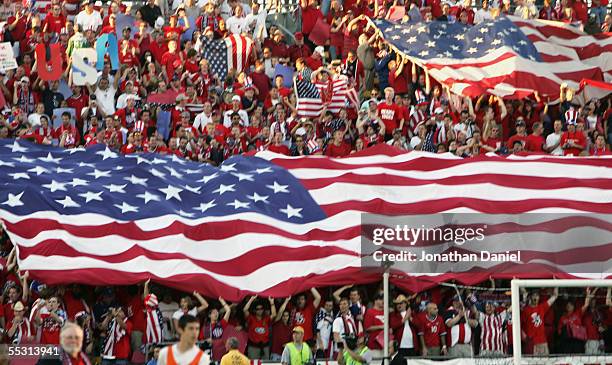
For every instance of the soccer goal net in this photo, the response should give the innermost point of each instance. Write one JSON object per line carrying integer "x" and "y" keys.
{"x": 576, "y": 313}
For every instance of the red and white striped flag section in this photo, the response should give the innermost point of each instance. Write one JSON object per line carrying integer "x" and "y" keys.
{"x": 312, "y": 98}
{"x": 232, "y": 52}
{"x": 382, "y": 180}
{"x": 508, "y": 56}
{"x": 270, "y": 224}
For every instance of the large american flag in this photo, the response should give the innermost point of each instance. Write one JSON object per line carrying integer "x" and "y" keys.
{"x": 310, "y": 102}
{"x": 507, "y": 57}
{"x": 267, "y": 224}
{"x": 231, "y": 52}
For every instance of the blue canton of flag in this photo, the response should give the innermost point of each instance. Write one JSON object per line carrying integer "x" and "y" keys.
{"x": 37, "y": 178}
{"x": 215, "y": 51}
{"x": 439, "y": 39}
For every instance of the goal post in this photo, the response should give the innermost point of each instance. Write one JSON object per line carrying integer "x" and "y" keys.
{"x": 517, "y": 284}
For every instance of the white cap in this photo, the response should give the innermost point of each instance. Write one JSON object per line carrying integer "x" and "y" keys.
{"x": 236, "y": 98}
{"x": 300, "y": 131}
{"x": 320, "y": 50}
{"x": 438, "y": 110}
{"x": 159, "y": 23}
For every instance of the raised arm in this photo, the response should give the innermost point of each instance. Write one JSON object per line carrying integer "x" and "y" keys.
{"x": 589, "y": 296}
{"x": 479, "y": 102}
{"x": 338, "y": 293}
{"x": 247, "y": 306}
{"x": 227, "y": 308}
{"x": 554, "y": 297}
{"x": 145, "y": 290}
{"x": 502, "y": 108}
{"x": 316, "y": 296}
{"x": 25, "y": 289}
{"x": 562, "y": 92}
{"x": 470, "y": 107}
{"x": 203, "y": 303}
{"x": 272, "y": 307}
{"x": 401, "y": 62}
{"x": 280, "y": 311}
{"x": 11, "y": 261}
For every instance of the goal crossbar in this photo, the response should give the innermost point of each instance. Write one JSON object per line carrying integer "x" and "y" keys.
{"x": 517, "y": 284}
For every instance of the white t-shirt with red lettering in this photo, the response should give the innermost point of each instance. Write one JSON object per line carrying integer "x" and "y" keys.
{"x": 391, "y": 115}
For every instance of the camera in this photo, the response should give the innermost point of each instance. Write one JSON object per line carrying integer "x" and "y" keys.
{"x": 351, "y": 342}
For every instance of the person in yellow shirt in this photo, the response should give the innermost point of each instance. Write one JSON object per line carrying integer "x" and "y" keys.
{"x": 233, "y": 355}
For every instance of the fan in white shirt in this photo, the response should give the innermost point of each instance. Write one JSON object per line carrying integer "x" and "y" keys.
{"x": 238, "y": 23}
{"x": 553, "y": 140}
{"x": 202, "y": 119}
{"x": 89, "y": 19}
{"x": 344, "y": 324}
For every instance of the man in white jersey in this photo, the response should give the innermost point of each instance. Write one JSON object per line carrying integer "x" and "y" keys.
{"x": 185, "y": 352}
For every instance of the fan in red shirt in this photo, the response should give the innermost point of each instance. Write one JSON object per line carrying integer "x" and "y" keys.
{"x": 532, "y": 322}
{"x": 310, "y": 15}
{"x": 535, "y": 141}
{"x": 432, "y": 331}
{"x": 67, "y": 134}
{"x": 572, "y": 141}
{"x": 278, "y": 146}
{"x": 51, "y": 319}
{"x": 14, "y": 294}
{"x": 570, "y": 328}
{"x": 599, "y": 149}
{"x": 581, "y": 10}
{"x": 54, "y": 20}
{"x": 19, "y": 329}
{"x": 111, "y": 28}
{"x": 337, "y": 147}
{"x": 174, "y": 30}
{"x": 303, "y": 313}
{"x": 78, "y": 100}
{"x": 593, "y": 320}
{"x": 74, "y": 302}
{"x": 167, "y": 60}
{"x": 373, "y": 323}
{"x": 281, "y": 331}
{"x": 390, "y": 113}
{"x": 521, "y": 134}
{"x": 258, "y": 326}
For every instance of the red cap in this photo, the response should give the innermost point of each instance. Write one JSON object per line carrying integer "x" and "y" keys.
{"x": 299, "y": 36}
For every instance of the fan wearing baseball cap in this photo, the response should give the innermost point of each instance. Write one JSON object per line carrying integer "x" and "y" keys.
{"x": 297, "y": 352}
{"x": 299, "y": 49}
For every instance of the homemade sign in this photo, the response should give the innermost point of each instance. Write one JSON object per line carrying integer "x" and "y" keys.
{"x": 49, "y": 69}
{"x": 107, "y": 44}
{"x": 7, "y": 57}
{"x": 83, "y": 71}
{"x": 286, "y": 72}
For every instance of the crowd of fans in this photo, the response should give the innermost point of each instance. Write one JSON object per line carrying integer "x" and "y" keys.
{"x": 211, "y": 119}
{"x": 118, "y": 322}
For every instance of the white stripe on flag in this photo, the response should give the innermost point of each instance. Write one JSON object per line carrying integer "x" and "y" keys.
{"x": 229, "y": 53}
